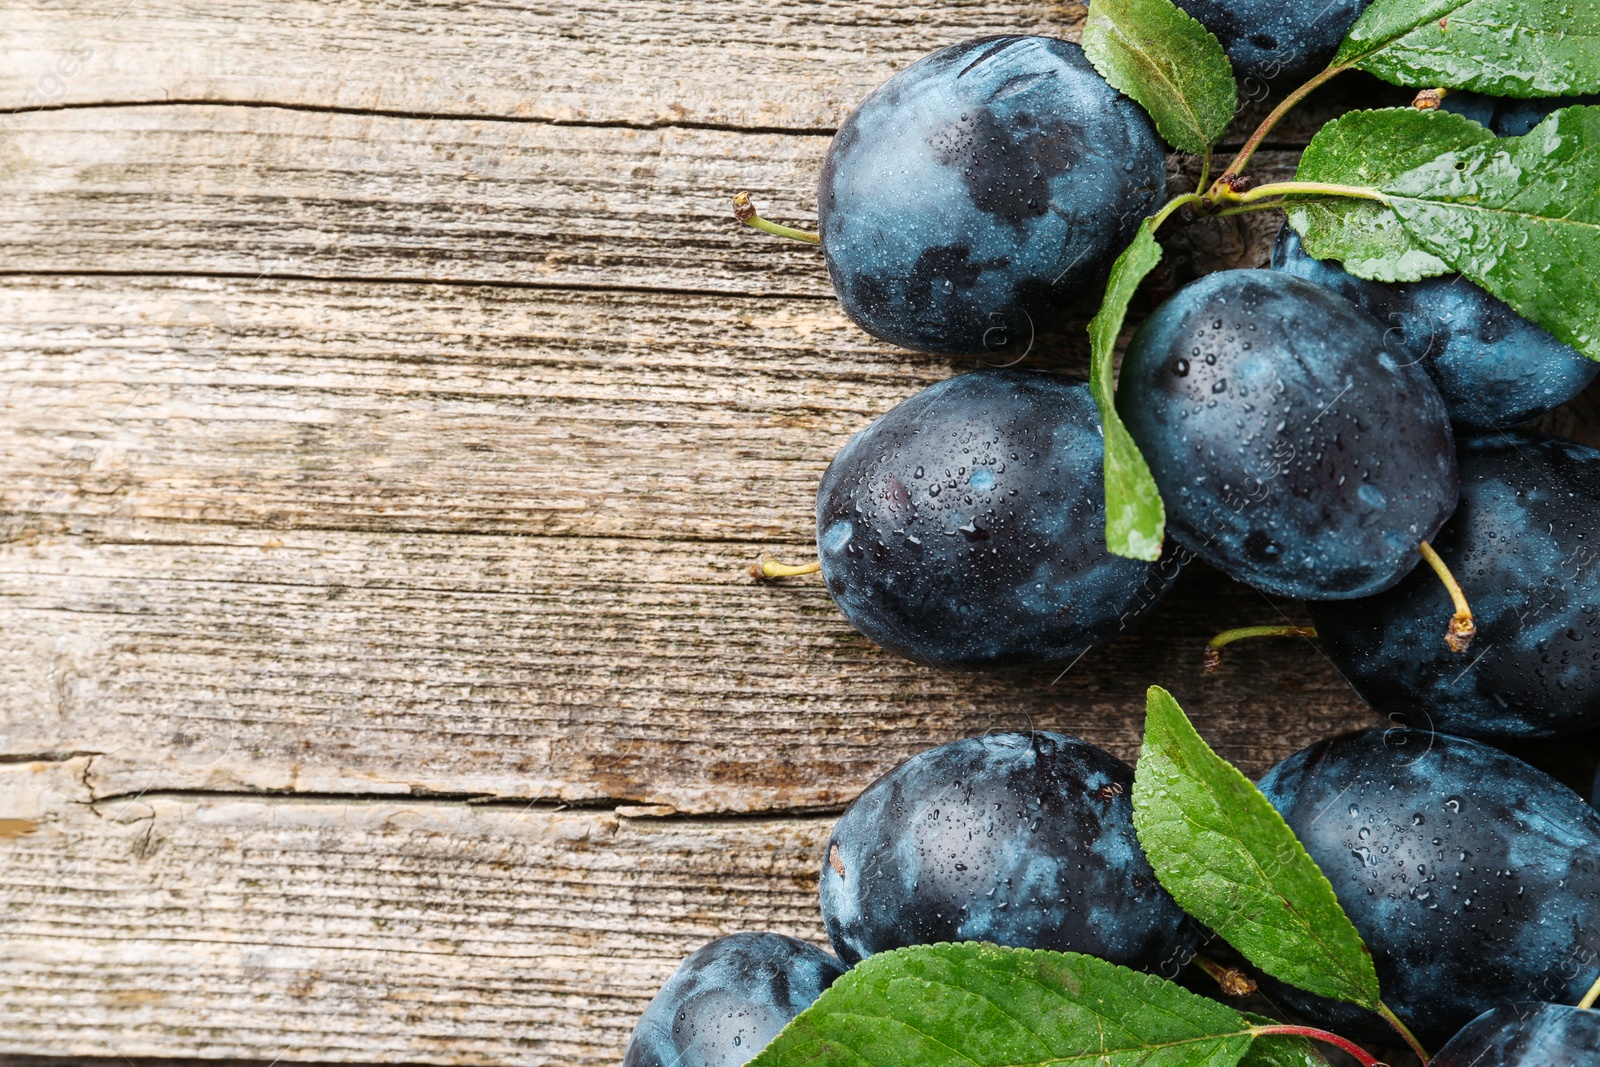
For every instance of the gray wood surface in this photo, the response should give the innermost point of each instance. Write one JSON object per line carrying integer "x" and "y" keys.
{"x": 390, "y": 410}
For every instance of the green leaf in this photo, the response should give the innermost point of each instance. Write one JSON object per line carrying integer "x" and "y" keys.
{"x": 1135, "y": 516}
{"x": 981, "y": 1005}
{"x": 1369, "y": 148}
{"x": 1516, "y": 48}
{"x": 1520, "y": 216}
{"x": 1163, "y": 58}
{"x": 1230, "y": 860}
{"x": 1280, "y": 1051}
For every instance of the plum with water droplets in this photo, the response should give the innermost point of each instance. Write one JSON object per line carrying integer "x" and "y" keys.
{"x": 1493, "y": 367}
{"x": 1293, "y": 451}
{"x": 1526, "y": 1035}
{"x": 1525, "y": 545}
{"x": 1473, "y": 878}
{"x": 966, "y": 526}
{"x": 982, "y": 191}
{"x": 1272, "y": 40}
{"x": 1021, "y": 839}
{"x": 728, "y": 1000}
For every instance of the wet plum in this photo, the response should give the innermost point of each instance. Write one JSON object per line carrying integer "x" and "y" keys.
{"x": 1493, "y": 367}
{"x": 982, "y": 190}
{"x": 1473, "y": 878}
{"x": 1526, "y": 1035}
{"x": 1022, "y": 839}
{"x": 1293, "y": 450}
{"x": 966, "y": 526}
{"x": 728, "y": 1000}
{"x": 1269, "y": 40}
{"x": 1522, "y": 543}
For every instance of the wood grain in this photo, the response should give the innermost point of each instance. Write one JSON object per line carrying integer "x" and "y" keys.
{"x": 406, "y": 931}
{"x": 791, "y": 64}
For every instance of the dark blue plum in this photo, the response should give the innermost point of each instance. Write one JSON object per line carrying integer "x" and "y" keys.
{"x": 981, "y": 191}
{"x": 966, "y": 527}
{"x": 728, "y": 1000}
{"x": 1506, "y": 117}
{"x": 1522, "y": 544}
{"x": 1293, "y": 450}
{"x": 1270, "y": 39}
{"x": 1493, "y": 367}
{"x": 1526, "y": 1035}
{"x": 1473, "y": 878}
{"x": 1021, "y": 839}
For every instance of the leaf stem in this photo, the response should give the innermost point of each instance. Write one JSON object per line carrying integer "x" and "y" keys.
{"x": 1590, "y": 997}
{"x": 1213, "y": 661}
{"x": 1249, "y": 149}
{"x": 1170, "y": 206}
{"x": 1404, "y": 1031}
{"x": 1361, "y": 1055}
{"x": 745, "y": 211}
{"x": 1225, "y": 195}
{"x": 771, "y": 568}
{"x": 1459, "y": 635}
{"x": 1205, "y": 173}
{"x": 1244, "y": 209}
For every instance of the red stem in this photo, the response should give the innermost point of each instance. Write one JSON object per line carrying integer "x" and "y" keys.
{"x": 1362, "y": 1056}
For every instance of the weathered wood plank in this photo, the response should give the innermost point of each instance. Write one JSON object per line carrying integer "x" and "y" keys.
{"x": 195, "y": 656}
{"x": 364, "y": 931}
{"x": 253, "y": 191}
{"x": 795, "y": 64}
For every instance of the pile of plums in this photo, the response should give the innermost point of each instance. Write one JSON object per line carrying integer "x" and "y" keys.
{"x": 1310, "y": 433}
{"x": 1473, "y": 878}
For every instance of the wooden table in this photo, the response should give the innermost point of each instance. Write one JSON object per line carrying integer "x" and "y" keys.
{"x": 391, "y": 409}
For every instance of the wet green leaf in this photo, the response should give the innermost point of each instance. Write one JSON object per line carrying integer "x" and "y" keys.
{"x": 1369, "y": 148}
{"x": 1135, "y": 516}
{"x": 1227, "y": 856}
{"x": 1520, "y": 48}
{"x": 980, "y": 1005}
{"x": 1163, "y": 58}
{"x": 1521, "y": 217}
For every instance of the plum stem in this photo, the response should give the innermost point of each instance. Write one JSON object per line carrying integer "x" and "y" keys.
{"x": 1361, "y": 1055}
{"x": 1429, "y": 99}
{"x": 745, "y": 211}
{"x": 1231, "y": 980}
{"x": 1590, "y": 997}
{"x": 768, "y": 568}
{"x": 1459, "y": 635}
{"x": 1223, "y": 194}
{"x": 1243, "y": 155}
{"x": 1404, "y": 1031}
{"x": 1213, "y": 661}
{"x": 1171, "y": 206}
